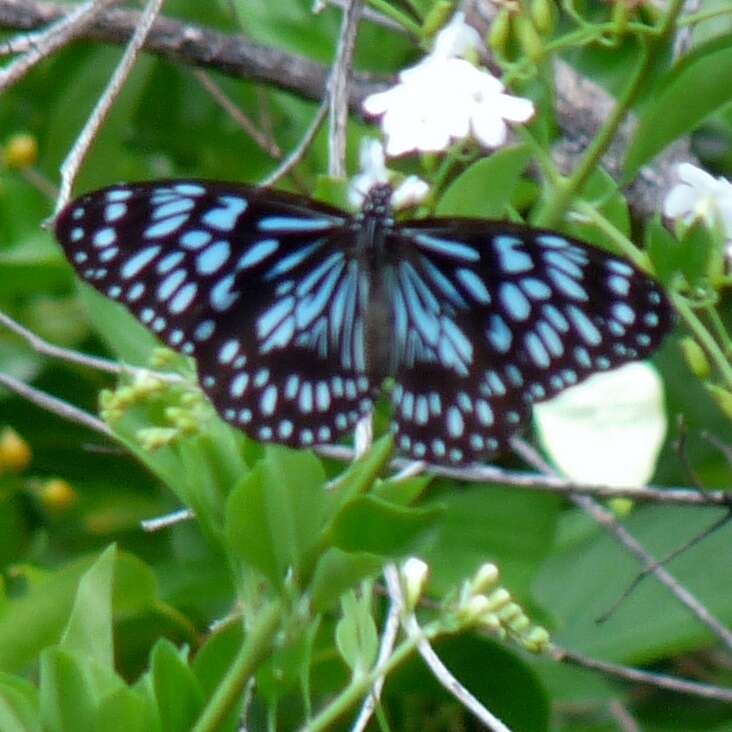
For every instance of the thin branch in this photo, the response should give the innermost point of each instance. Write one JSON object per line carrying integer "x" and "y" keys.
{"x": 220, "y": 97}
{"x": 44, "y": 348}
{"x": 608, "y": 520}
{"x": 388, "y": 640}
{"x": 168, "y": 520}
{"x": 38, "y": 46}
{"x": 372, "y": 16}
{"x": 54, "y": 405}
{"x": 338, "y": 89}
{"x": 440, "y": 671}
{"x": 75, "y": 158}
{"x": 661, "y": 681}
{"x": 299, "y": 152}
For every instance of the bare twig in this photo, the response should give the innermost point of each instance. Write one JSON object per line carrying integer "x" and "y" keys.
{"x": 661, "y": 681}
{"x": 338, "y": 89}
{"x": 372, "y": 16}
{"x": 43, "y": 347}
{"x": 608, "y": 520}
{"x": 218, "y": 94}
{"x": 388, "y": 639}
{"x": 54, "y": 405}
{"x": 440, "y": 671}
{"x": 74, "y": 159}
{"x": 38, "y": 46}
{"x": 169, "y": 519}
{"x": 299, "y": 152}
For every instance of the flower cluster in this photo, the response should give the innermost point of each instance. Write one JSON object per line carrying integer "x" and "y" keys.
{"x": 445, "y": 98}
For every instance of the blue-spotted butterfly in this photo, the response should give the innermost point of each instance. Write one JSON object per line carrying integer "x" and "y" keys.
{"x": 296, "y": 312}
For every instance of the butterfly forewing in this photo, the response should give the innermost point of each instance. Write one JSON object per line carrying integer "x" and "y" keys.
{"x": 256, "y": 285}
{"x": 491, "y": 317}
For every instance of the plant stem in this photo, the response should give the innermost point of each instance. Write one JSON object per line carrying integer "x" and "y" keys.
{"x": 257, "y": 647}
{"x": 563, "y": 193}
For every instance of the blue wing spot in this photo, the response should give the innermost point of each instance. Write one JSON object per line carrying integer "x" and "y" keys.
{"x": 285, "y": 224}
{"x": 77, "y": 233}
{"x": 225, "y": 217}
{"x": 189, "y": 189}
{"x": 118, "y": 195}
{"x": 183, "y": 298}
{"x": 132, "y": 267}
{"x": 474, "y": 285}
{"x": 582, "y": 357}
{"x": 291, "y": 260}
{"x": 499, "y": 333}
{"x": 291, "y": 386}
{"x": 619, "y": 285}
{"x": 551, "y": 338}
{"x": 245, "y": 416}
{"x": 587, "y": 330}
{"x": 222, "y": 297}
{"x": 651, "y": 320}
{"x": 514, "y": 375}
{"x": 195, "y": 239}
{"x": 114, "y": 211}
{"x": 536, "y": 350}
{"x": 511, "y": 260}
{"x": 228, "y": 351}
{"x": 109, "y": 254}
{"x": 285, "y": 429}
{"x": 514, "y": 301}
{"x": 147, "y": 314}
{"x": 484, "y": 412}
{"x": 114, "y": 291}
{"x": 176, "y": 338}
{"x": 567, "y": 285}
{"x": 535, "y": 289}
{"x": 135, "y": 292}
{"x": 177, "y": 206}
{"x": 448, "y": 247}
{"x": 213, "y": 258}
{"x": 204, "y": 330}
{"x": 477, "y": 442}
{"x": 104, "y": 237}
{"x": 169, "y": 262}
{"x": 165, "y": 227}
{"x": 602, "y": 362}
{"x": 268, "y": 402}
{"x": 552, "y": 242}
{"x": 560, "y": 261}
{"x": 158, "y": 324}
{"x": 556, "y": 318}
{"x": 322, "y": 397}
{"x": 80, "y": 257}
{"x": 643, "y": 339}
{"x": 257, "y": 253}
{"x": 624, "y": 313}
{"x": 619, "y": 267}
{"x": 170, "y": 284}
{"x": 305, "y": 402}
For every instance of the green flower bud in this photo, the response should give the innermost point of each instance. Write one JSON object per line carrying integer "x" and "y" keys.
{"x": 695, "y": 358}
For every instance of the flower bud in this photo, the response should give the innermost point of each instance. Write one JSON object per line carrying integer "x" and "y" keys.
{"x": 500, "y": 31}
{"x": 415, "y": 574}
{"x": 537, "y": 640}
{"x": 484, "y": 579}
{"x": 15, "y": 453}
{"x": 528, "y": 38}
{"x": 57, "y": 495}
{"x": 722, "y": 397}
{"x": 21, "y": 151}
{"x": 498, "y": 599}
{"x": 695, "y": 358}
{"x": 437, "y": 16}
{"x": 543, "y": 15}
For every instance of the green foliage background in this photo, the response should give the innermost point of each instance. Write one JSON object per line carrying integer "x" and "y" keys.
{"x": 128, "y": 646}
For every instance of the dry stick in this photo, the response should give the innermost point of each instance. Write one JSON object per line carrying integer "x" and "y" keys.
{"x": 388, "y": 640}
{"x": 43, "y": 44}
{"x": 441, "y": 672}
{"x": 54, "y": 405}
{"x": 661, "y": 681}
{"x": 338, "y": 90}
{"x": 607, "y": 519}
{"x": 218, "y": 94}
{"x": 75, "y": 158}
{"x": 93, "y": 362}
{"x": 299, "y": 152}
{"x": 623, "y": 717}
{"x": 168, "y": 520}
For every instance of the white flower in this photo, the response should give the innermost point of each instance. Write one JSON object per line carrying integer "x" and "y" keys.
{"x": 410, "y": 191}
{"x": 609, "y": 429}
{"x": 700, "y": 196}
{"x": 444, "y": 98}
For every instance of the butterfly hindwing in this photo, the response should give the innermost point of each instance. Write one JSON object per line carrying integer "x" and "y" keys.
{"x": 503, "y": 316}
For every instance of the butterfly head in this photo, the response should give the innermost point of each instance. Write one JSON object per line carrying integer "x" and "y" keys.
{"x": 377, "y": 204}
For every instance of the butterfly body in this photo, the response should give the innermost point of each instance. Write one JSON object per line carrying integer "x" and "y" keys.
{"x": 296, "y": 312}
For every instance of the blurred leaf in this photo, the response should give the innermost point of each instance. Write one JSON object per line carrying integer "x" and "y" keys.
{"x": 663, "y": 249}
{"x": 681, "y": 102}
{"x": 275, "y": 514}
{"x": 356, "y": 635}
{"x": 370, "y": 524}
{"x": 125, "y": 710}
{"x": 177, "y": 691}
{"x": 89, "y": 630}
{"x": 67, "y": 699}
{"x": 338, "y": 571}
{"x": 486, "y": 187}
{"x": 19, "y": 705}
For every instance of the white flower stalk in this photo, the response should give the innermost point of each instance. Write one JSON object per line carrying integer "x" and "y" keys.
{"x": 411, "y": 191}
{"x": 445, "y": 98}
{"x": 701, "y": 196}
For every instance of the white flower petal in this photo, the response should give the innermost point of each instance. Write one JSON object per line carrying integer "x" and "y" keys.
{"x": 412, "y": 191}
{"x": 679, "y": 201}
{"x": 516, "y": 109}
{"x": 489, "y": 129}
{"x": 456, "y": 38}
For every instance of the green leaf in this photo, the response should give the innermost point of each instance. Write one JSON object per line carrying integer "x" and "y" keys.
{"x": 275, "y": 515}
{"x": 370, "y": 524}
{"x": 486, "y": 187}
{"x": 125, "y": 710}
{"x": 89, "y": 630}
{"x": 338, "y": 571}
{"x": 67, "y": 697}
{"x": 178, "y": 694}
{"x": 356, "y": 635}
{"x": 663, "y": 250}
{"x": 19, "y": 705}
{"x": 685, "y": 98}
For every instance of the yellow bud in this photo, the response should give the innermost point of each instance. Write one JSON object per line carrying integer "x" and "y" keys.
{"x": 722, "y": 397}
{"x": 484, "y": 579}
{"x": 57, "y": 495}
{"x": 695, "y": 358}
{"x": 21, "y": 151}
{"x": 537, "y": 640}
{"x": 528, "y": 38}
{"x": 510, "y": 613}
{"x": 498, "y": 599}
{"x": 519, "y": 624}
{"x": 500, "y": 31}
{"x": 15, "y": 453}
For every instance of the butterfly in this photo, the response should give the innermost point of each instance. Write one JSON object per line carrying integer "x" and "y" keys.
{"x": 296, "y": 312}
